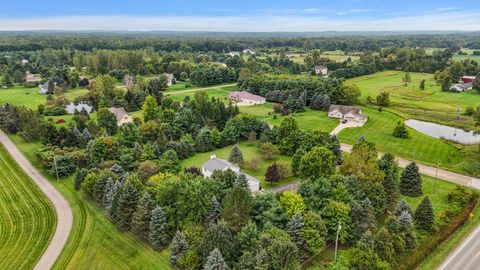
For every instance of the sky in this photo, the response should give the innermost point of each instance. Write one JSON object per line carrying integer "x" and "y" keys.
{"x": 241, "y": 16}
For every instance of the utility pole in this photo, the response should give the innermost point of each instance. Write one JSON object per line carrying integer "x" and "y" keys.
{"x": 336, "y": 240}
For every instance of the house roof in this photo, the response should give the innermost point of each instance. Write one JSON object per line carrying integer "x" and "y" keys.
{"x": 347, "y": 109}
{"x": 170, "y": 77}
{"x": 118, "y": 112}
{"x": 463, "y": 86}
{"x": 214, "y": 164}
{"x": 245, "y": 95}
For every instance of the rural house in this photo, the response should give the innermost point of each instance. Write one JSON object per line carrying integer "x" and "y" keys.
{"x": 460, "y": 87}
{"x": 216, "y": 164}
{"x": 122, "y": 116}
{"x": 232, "y": 54}
{"x": 320, "y": 70}
{"x": 78, "y": 107}
{"x": 44, "y": 88}
{"x": 245, "y": 98}
{"x": 348, "y": 113}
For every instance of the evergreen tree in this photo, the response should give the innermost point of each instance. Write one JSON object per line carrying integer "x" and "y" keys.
{"x": 150, "y": 109}
{"x": 295, "y": 228}
{"x": 236, "y": 156}
{"x": 391, "y": 191}
{"x": 86, "y": 135}
{"x": 409, "y": 236}
{"x": 77, "y": 136}
{"x": 141, "y": 217}
{"x": 110, "y": 196}
{"x": 405, "y": 219}
{"x": 236, "y": 208}
{"x": 326, "y": 103}
{"x": 363, "y": 219}
{"x": 424, "y": 216}
{"x": 107, "y": 120}
{"x": 117, "y": 169}
{"x": 214, "y": 214}
{"x": 218, "y": 236}
{"x": 400, "y": 131}
{"x": 79, "y": 176}
{"x": 127, "y": 203}
{"x": 384, "y": 246}
{"x": 317, "y": 102}
{"x": 402, "y": 207}
{"x": 297, "y": 157}
{"x": 422, "y": 85}
{"x": 178, "y": 248}
{"x": 215, "y": 261}
{"x": 157, "y": 229}
{"x": 242, "y": 182}
{"x": 411, "y": 181}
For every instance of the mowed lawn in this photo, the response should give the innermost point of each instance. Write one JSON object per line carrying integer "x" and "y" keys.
{"x": 379, "y": 130}
{"x": 30, "y": 98}
{"x": 94, "y": 243}
{"x": 216, "y": 93}
{"x": 430, "y": 104}
{"x": 27, "y": 218}
{"x": 250, "y": 152}
{"x": 310, "y": 119}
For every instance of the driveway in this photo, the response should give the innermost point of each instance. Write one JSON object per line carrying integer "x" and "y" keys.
{"x": 341, "y": 126}
{"x": 62, "y": 208}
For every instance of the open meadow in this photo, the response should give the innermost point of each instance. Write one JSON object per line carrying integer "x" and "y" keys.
{"x": 94, "y": 242}
{"x": 27, "y": 218}
{"x": 29, "y": 96}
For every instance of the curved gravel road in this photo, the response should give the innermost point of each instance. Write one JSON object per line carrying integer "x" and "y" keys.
{"x": 62, "y": 208}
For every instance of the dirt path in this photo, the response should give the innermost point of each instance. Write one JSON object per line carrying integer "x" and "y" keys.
{"x": 62, "y": 208}
{"x": 198, "y": 89}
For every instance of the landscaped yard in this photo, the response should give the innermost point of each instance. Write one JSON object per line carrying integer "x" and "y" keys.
{"x": 250, "y": 152}
{"x": 27, "y": 218}
{"x": 30, "y": 98}
{"x": 216, "y": 93}
{"x": 430, "y": 104}
{"x": 95, "y": 242}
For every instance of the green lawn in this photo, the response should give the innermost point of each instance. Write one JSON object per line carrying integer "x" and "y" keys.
{"x": 30, "y": 98}
{"x": 425, "y": 149}
{"x": 430, "y": 104}
{"x": 216, "y": 93}
{"x": 27, "y": 218}
{"x": 95, "y": 243}
{"x": 249, "y": 151}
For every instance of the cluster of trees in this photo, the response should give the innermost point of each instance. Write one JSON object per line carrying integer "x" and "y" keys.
{"x": 454, "y": 71}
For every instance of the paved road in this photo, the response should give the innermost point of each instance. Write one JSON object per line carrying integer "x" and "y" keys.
{"x": 198, "y": 89}
{"x": 466, "y": 256}
{"x": 62, "y": 208}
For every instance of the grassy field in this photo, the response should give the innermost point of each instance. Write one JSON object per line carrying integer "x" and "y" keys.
{"x": 95, "y": 243}
{"x": 216, "y": 93}
{"x": 469, "y": 55}
{"x": 30, "y": 98}
{"x": 250, "y": 151}
{"x": 27, "y": 218}
{"x": 418, "y": 146}
{"x": 430, "y": 104}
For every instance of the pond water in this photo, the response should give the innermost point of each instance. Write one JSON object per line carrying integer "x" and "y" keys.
{"x": 446, "y": 132}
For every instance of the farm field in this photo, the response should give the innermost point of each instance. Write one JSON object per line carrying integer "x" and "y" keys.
{"x": 250, "y": 152}
{"x": 430, "y": 104}
{"x": 30, "y": 98}
{"x": 94, "y": 241}
{"x": 27, "y": 218}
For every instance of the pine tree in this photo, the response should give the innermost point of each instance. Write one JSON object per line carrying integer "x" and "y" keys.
{"x": 424, "y": 216}
{"x": 127, "y": 203}
{"x": 157, "y": 228}
{"x": 273, "y": 173}
{"x": 77, "y": 137}
{"x": 214, "y": 214}
{"x": 141, "y": 217}
{"x": 400, "y": 131}
{"x": 422, "y": 85}
{"x": 405, "y": 219}
{"x": 402, "y": 207}
{"x": 86, "y": 135}
{"x": 297, "y": 157}
{"x": 79, "y": 176}
{"x": 391, "y": 191}
{"x": 384, "y": 246}
{"x": 117, "y": 169}
{"x": 411, "y": 181}
{"x": 363, "y": 219}
{"x": 215, "y": 261}
{"x": 409, "y": 236}
{"x": 242, "y": 181}
{"x": 236, "y": 156}
{"x": 326, "y": 103}
{"x": 178, "y": 248}
{"x": 295, "y": 228}
{"x": 109, "y": 197}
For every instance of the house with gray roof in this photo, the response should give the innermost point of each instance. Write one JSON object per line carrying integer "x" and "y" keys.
{"x": 170, "y": 79}
{"x": 216, "y": 164}
{"x": 72, "y": 107}
{"x": 122, "y": 116}
{"x": 347, "y": 113}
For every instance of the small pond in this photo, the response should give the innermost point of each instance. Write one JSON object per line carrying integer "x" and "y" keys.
{"x": 446, "y": 132}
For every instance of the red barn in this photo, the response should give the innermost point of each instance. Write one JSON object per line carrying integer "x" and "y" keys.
{"x": 468, "y": 79}
{"x": 61, "y": 121}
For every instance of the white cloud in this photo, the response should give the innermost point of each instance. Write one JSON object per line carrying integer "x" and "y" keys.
{"x": 446, "y": 21}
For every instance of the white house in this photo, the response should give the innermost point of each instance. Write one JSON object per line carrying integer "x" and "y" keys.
{"x": 232, "y": 54}
{"x": 460, "y": 87}
{"x": 348, "y": 113}
{"x": 248, "y": 52}
{"x": 82, "y": 105}
{"x": 24, "y": 62}
{"x": 122, "y": 116}
{"x": 216, "y": 164}
{"x": 44, "y": 88}
{"x": 245, "y": 98}
{"x": 320, "y": 70}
